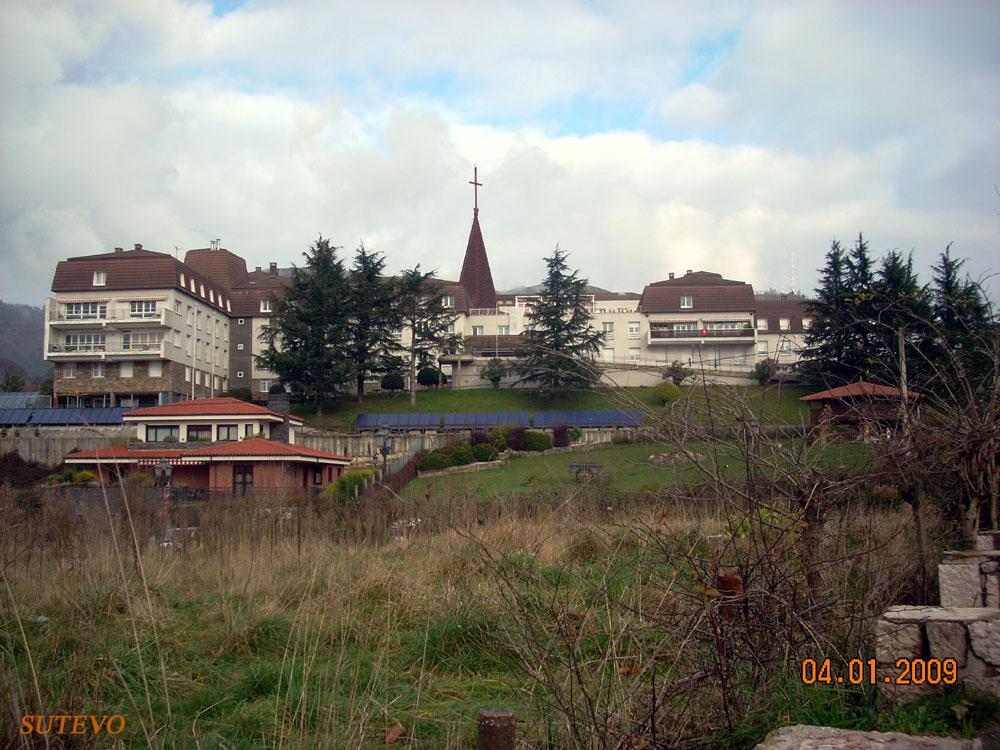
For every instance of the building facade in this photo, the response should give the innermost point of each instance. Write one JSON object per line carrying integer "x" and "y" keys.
{"x": 140, "y": 328}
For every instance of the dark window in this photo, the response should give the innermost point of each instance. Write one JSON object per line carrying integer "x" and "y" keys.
{"x": 248, "y": 431}
{"x": 199, "y": 432}
{"x": 160, "y": 432}
{"x": 242, "y": 479}
{"x": 229, "y": 432}
{"x": 318, "y": 475}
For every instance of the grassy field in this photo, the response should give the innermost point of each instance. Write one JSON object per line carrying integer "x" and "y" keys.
{"x": 624, "y": 468}
{"x": 778, "y": 405}
{"x": 264, "y": 635}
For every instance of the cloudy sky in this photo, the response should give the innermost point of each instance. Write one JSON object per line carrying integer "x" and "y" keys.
{"x": 644, "y": 137}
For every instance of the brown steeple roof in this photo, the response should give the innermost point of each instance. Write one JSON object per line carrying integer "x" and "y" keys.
{"x": 476, "y": 276}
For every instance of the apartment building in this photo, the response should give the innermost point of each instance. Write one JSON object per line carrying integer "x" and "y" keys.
{"x": 135, "y": 328}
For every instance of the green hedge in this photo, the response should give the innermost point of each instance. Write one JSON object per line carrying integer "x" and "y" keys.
{"x": 537, "y": 441}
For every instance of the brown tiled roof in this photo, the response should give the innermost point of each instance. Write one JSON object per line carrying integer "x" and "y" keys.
{"x": 709, "y": 292}
{"x": 459, "y": 294}
{"x": 221, "y": 266}
{"x": 206, "y": 407}
{"x": 241, "y": 449}
{"x": 131, "y": 269}
{"x": 606, "y": 296}
{"x": 773, "y": 310}
{"x": 476, "y": 276}
{"x": 486, "y": 343}
{"x": 861, "y": 389}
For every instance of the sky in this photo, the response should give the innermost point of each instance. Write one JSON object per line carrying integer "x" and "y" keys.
{"x": 642, "y": 137}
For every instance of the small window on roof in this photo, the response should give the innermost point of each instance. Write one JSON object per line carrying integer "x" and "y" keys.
{"x": 687, "y": 302}
{"x": 100, "y": 278}
{"x": 203, "y": 291}
{"x": 265, "y": 305}
{"x": 182, "y": 279}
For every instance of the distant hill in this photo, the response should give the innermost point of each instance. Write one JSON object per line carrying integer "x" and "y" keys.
{"x": 22, "y": 332}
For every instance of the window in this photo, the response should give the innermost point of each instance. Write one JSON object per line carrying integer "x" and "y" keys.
{"x": 783, "y": 324}
{"x": 146, "y": 341}
{"x": 265, "y": 386}
{"x": 609, "y": 330}
{"x": 142, "y": 309}
{"x": 239, "y": 347}
{"x": 503, "y": 330}
{"x": 86, "y": 310}
{"x": 97, "y": 370}
{"x": 633, "y": 329}
{"x": 248, "y": 430}
{"x": 239, "y": 373}
{"x": 239, "y": 321}
{"x": 182, "y": 279}
{"x": 100, "y": 278}
{"x": 608, "y": 355}
{"x": 683, "y": 327}
{"x": 197, "y": 377}
{"x": 203, "y": 291}
{"x": 160, "y": 432}
{"x": 242, "y": 479}
{"x": 784, "y": 347}
{"x": 69, "y": 370}
{"x": 199, "y": 432}
{"x": 84, "y": 342}
{"x": 211, "y": 295}
{"x": 265, "y": 305}
{"x": 477, "y": 330}
{"x": 806, "y": 322}
{"x": 633, "y": 354}
{"x": 687, "y": 302}
{"x": 125, "y": 370}
{"x": 449, "y": 329}
{"x": 317, "y": 475}
{"x": 228, "y": 432}
{"x": 761, "y": 324}
{"x": 156, "y": 369}
{"x": 762, "y": 348}
{"x": 447, "y": 301}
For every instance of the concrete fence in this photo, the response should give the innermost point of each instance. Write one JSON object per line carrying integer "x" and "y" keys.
{"x": 48, "y": 445}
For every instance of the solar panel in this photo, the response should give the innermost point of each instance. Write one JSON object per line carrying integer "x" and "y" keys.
{"x": 453, "y": 420}
{"x": 429, "y": 420}
{"x": 14, "y": 417}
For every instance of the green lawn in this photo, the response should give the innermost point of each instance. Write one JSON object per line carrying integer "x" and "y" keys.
{"x": 623, "y": 468}
{"x": 779, "y": 405}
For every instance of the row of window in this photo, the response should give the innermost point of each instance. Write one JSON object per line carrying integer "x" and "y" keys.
{"x": 171, "y": 432}
{"x": 154, "y": 369}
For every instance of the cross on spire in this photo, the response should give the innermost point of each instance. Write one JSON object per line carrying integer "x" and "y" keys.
{"x": 476, "y": 184}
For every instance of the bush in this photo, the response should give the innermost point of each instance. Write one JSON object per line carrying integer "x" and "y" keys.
{"x": 84, "y": 477}
{"x": 461, "y": 455}
{"x": 575, "y": 434}
{"x": 764, "y": 370}
{"x": 537, "y": 441}
{"x": 430, "y": 375}
{"x": 494, "y": 371}
{"x": 434, "y": 461}
{"x": 484, "y": 452}
{"x": 677, "y": 373}
{"x": 499, "y": 436}
{"x": 243, "y": 394}
{"x": 393, "y": 381}
{"x": 622, "y": 438}
{"x": 516, "y": 440}
{"x": 560, "y": 436}
{"x": 480, "y": 437}
{"x": 276, "y": 388}
{"x": 349, "y": 485}
{"x": 666, "y": 392}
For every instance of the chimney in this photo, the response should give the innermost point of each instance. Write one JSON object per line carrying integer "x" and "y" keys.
{"x": 119, "y": 250}
{"x": 258, "y": 268}
{"x": 138, "y": 246}
{"x": 688, "y": 272}
{"x": 670, "y": 275}
{"x": 279, "y": 403}
{"x": 273, "y": 269}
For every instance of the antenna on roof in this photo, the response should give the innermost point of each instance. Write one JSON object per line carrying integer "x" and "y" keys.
{"x": 791, "y": 281}
{"x": 177, "y": 252}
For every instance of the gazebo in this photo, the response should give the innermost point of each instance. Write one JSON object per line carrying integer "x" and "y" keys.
{"x": 861, "y": 403}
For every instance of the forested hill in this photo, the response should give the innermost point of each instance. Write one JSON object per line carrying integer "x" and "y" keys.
{"x": 21, "y": 335}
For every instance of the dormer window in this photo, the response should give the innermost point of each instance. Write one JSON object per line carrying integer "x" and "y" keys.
{"x": 761, "y": 324}
{"x": 203, "y": 291}
{"x": 687, "y": 302}
{"x": 265, "y": 305}
{"x": 100, "y": 278}
{"x": 806, "y": 322}
{"x": 447, "y": 301}
{"x": 784, "y": 324}
{"x": 211, "y": 295}
{"x": 182, "y": 279}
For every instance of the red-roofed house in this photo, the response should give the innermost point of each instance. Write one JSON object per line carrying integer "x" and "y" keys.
{"x": 218, "y": 444}
{"x": 856, "y": 403}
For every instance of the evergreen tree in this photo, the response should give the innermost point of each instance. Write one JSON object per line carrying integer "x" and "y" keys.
{"x": 862, "y": 305}
{"x": 899, "y": 304}
{"x": 962, "y": 318}
{"x": 826, "y": 356}
{"x": 562, "y": 345}
{"x": 423, "y": 311}
{"x": 374, "y": 318}
{"x": 307, "y": 336}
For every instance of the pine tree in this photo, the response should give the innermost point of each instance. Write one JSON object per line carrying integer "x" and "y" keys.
{"x": 562, "y": 345}
{"x": 307, "y": 336}
{"x": 962, "y": 318}
{"x": 899, "y": 303}
{"x": 862, "y": 316}
{"x": 829, "y": 343}
{"x": 423, "y": 311}
{"x": 374, "y": 318}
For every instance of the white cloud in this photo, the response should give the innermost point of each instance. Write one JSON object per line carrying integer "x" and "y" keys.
{"x": 163, "y": 124}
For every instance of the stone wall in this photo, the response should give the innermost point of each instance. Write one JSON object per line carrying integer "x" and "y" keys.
{"x": 48, "y": 445}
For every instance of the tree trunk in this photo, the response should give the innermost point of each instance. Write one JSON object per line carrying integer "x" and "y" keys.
{"x": 319, "y": 404}
{"x": 413, "y": 377}
{"x": 361, "y": 386}
{"x": 913, "y": 496}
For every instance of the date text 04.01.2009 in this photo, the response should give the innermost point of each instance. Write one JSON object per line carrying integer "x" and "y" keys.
{"x": 863, "y": 672}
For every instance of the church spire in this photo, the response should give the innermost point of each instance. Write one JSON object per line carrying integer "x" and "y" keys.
{"x": 476, "y": 276}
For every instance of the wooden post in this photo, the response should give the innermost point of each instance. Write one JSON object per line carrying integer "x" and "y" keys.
{"x": 497, "y": 729}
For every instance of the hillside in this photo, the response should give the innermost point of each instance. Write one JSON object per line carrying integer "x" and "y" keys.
{"x": 21, "y": 338}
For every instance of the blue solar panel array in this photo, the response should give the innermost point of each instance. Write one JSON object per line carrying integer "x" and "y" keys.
{"x": 61, "y": 417}
{"x": 23, "y": 400}
{"x": 488, "y": 420}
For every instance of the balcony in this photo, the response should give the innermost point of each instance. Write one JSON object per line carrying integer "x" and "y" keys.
{"x": 702, "y": 335}
{"x": 108, "y": 315}
{"x": 113, "y": 348}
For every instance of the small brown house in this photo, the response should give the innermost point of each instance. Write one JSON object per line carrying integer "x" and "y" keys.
{"x": 860, "y": 403}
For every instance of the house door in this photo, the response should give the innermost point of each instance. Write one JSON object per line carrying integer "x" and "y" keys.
{"x": 242, "y": 479}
